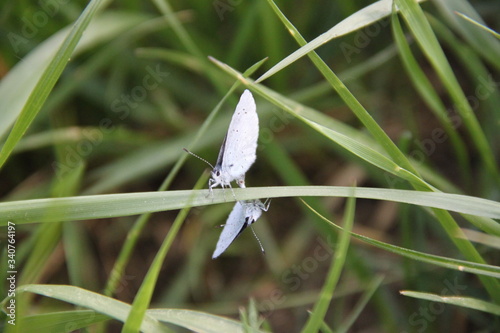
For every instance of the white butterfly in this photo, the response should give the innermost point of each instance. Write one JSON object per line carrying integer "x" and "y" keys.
{"x": 238, "y": 150}
{"x": 243, "y": 215}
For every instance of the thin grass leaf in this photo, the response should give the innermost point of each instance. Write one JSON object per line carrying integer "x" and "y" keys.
{"x": 346, "y": 325}
{"x": 145, "y": 293}
{"x": 90, "y": 300}
{"x": 482, "y": 238}
{"x": 428, "y": 93}
{"x": 362, "y": 18}
{"x": 429, "y": 45}
{"x": 479, "y": 24}
{"x": 459, "y": 265}
{"x": 338, "y": 260}
{"x": 29, "y": 71}
{"x": 125, "y": 204}
{"x": 187, "y": 41}
{"x": 49, "y": 76}
{"x": 464, "y": 302}
{"x": 482, "y": 41}
{"x": 198, "y": 321}
{"x": 61, "y": 322}
{"x": 361, "y": 113}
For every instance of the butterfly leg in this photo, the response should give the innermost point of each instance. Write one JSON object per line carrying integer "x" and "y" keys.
{"x": 266, "y": 204}
{"x": 234, "y": 196}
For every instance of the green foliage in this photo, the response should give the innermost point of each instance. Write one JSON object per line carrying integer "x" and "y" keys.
{"x": 379, "y": 149}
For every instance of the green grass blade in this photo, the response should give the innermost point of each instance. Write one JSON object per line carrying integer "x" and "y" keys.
{"x": 429, "y": 44}
{"x": 428, "y": 93}
{"x": 125, "y": 204}
{"x": 48, "y": 79}
{"x": 371, "y": 125}
{"x": 479, "y": 24}
{"x": 198, "y": 321}
{"x": 351, "y": 319}
{"x": 362, "y": 18}
{"x": 482, "y": 41}
{"x": 145, "y": 293}
{"x": 28, "y": 73}
{"x": 337, "y": 264}
{"x": 90, "y": 300}
{"x": 465, "y": 302}
{"x": 61, "y": 322}
{"x": 459, "y": 265}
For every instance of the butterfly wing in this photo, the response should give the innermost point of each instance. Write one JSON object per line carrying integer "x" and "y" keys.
{"x": 241, "y": 138}
{"x": 234, "y": 226}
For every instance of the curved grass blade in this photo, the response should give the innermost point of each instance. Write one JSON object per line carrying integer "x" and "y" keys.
{"x": 346, "y": 325}
{"x": 337, "y": 264}
{"x": 482, "y": 41}
{"x": 61, "y": 322}
{"x": 90, "y": 300}
{"x": 362, "y": 18}
{"x": 480, "y": 25}
{"x": 145, "y": 293}
{"x": 198, "y": 321}
{"x": 125, "y": 204}
{"x": 459, "y": 265}
{"x": 429, "y": 95}
{"x": 49, "y": 76}
{"x": 421, "y": 29}
{"x": 465, "y": 302}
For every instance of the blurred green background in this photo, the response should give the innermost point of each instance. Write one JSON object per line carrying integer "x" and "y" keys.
{"x": 139, "y": 87}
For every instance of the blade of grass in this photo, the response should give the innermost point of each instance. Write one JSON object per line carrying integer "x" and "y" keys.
{"x": 421, "y": 29}
{"x": 480, "y": 25}
{"x": 189, "y": 44}
{"x": 362, "y": 18}
{"x": 48, "y": 79}
{"x": 27, "y": 73}
{"x": 61, "y": 322}
{"x": 143, "y": 297}
{"x": 315, "y": 321}
{"x": 346, "y": 325}
{"x": 459, "y": 265}
{"x": 198, "y": 321}
{"x": 465, "y": 302}
{"x": 125, "y": 204}
{"x": 90, "y": 300}
{"x": 428, "y": 93}
{"x": 371, "y": 125}
{"x": 482, "y": 42}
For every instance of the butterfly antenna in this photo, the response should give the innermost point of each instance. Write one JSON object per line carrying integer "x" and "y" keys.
{"x": 258, "y": 240}
{"x": 204, "y": 160}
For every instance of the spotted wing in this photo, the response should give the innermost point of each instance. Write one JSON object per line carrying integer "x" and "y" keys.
{"x": 240, "y": 145}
